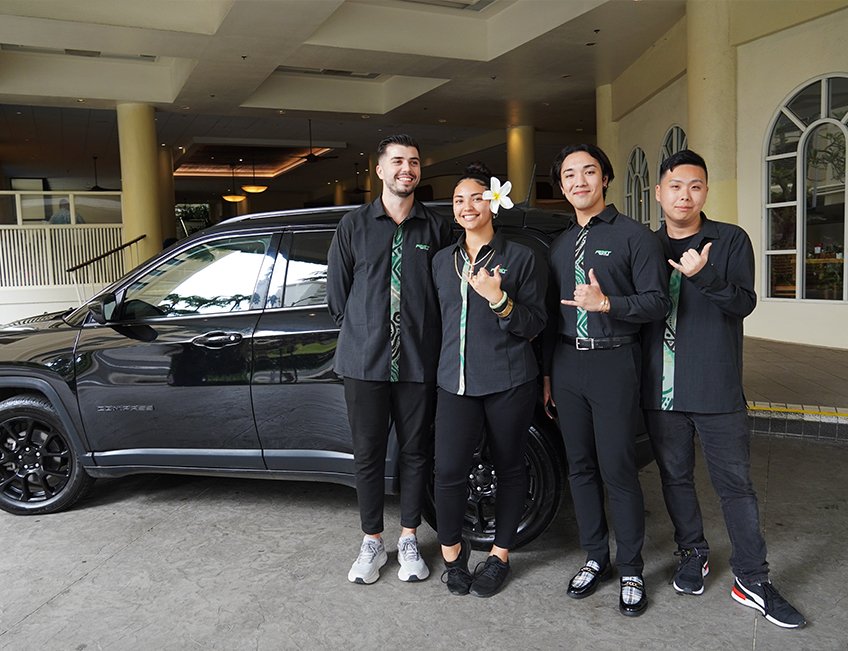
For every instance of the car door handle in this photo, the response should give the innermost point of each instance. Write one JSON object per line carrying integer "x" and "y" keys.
{"x": 217, "y": 339}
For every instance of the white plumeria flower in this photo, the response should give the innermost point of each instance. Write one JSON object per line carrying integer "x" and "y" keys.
{"x": 498, "y": 195}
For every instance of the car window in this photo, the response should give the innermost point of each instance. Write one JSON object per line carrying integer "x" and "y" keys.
{"x": 209, "y": 278}
{"x": 300, "y": 279}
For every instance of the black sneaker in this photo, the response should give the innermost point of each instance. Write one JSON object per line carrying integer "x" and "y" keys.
{"x": 765, "y": 598}
{"x": 689, "y": 576}
{"x": 491, "y": 578}
{"x": 456, "y": 574}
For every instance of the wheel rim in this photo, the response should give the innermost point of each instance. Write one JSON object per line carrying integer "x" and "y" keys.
{"x": 482, "y": 489}
{"x": 35, "y": 460}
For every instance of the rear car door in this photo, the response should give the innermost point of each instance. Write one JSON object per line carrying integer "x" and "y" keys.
{"x": 298, "y": 400}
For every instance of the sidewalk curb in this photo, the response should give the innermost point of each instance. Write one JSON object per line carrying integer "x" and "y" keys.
{"x": 799, "y": 421}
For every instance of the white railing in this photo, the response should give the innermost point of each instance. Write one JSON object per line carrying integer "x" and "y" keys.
{"x": 32, "y": 256}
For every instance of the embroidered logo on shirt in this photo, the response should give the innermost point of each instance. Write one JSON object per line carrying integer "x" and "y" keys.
{"x": 426, "y": 247}
{"x": 603, "y": 253}
{"x": 503, "y": 270}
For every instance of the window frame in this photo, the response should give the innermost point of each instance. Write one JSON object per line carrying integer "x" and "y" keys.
{"x": 637, "y": 170}
{"x": 799, "y": 203}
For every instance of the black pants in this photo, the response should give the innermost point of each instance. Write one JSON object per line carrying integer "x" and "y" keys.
{"x": 460, "y": 422}
{"x": 371, "y": 409}
{"x": 597, "y": 397}
{"x": 726, "y": 442}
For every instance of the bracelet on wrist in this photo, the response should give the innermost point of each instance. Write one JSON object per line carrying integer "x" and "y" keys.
{"x": 497, "y": 306}
{"x": 505, "y": 310}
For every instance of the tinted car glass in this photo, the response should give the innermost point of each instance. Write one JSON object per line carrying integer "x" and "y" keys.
{"x": 301, "y": 280}
{"x": 210, "y": 278}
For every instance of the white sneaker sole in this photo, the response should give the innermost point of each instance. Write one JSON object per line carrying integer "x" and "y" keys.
{"x": 749, "y": 600}
{"x": 356, "y": 575}
{"x": 412, "y": 574}
{"x": 704, "y": 572}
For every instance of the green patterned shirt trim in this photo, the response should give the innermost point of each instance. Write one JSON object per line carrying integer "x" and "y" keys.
{"x": 580, "y": 279}
{"x": 669, "y": 337}
{"x": 463, "y": 320}
{"x": 394, "y": 316}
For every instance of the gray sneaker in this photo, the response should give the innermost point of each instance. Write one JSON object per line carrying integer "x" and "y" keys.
{"x": 412, "y": 566}
{"x": 372, "y": 556}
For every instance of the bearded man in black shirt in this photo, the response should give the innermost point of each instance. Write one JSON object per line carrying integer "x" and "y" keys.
{"x": 380, "y": 292}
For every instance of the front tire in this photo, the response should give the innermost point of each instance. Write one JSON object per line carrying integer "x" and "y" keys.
{"x": 39, "y": 470}
{"x": 544, "y": 463}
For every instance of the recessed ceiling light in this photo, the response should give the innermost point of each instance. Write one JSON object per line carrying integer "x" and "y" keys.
{"x": 589, "y": 44}
{"x": 566, "y": 76}
{"x": 365, "y": 117}
{"x": 546, "y": 103}
{"x": 281, "y": 112}
{"x": 82, "y": 101}
{"x": 442, "y": 121}
{"x": 185, "y": 108}
{"x": 579, "y": 129}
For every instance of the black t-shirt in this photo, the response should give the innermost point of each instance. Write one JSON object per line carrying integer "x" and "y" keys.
{"x": 681, "y": 246}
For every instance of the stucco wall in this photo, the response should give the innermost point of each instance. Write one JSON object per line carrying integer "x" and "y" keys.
{"x": 646, "y": 126}
{"x": 770, "y": 70}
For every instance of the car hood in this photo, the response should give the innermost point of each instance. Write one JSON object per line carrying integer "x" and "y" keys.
{"x": 44, "y": 342}
{"x": 33, "y": 323}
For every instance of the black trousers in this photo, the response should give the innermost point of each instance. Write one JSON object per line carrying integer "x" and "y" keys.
{"x": 597, "y": 398}
{"x": 460, "y": 422}
{"x": 372, "y": 407}
{"x": 726, "y": 442}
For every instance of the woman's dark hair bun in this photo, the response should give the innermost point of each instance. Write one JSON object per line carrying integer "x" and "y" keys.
{"x": 477, "y": 171}
{"x": 477, "y": 168}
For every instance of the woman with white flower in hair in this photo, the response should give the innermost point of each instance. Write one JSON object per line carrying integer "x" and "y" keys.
{"x": 491, "y": 293}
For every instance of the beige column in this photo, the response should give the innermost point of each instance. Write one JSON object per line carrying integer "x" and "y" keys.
{"x": 520, "y": 158}
{"x": 166, "y": 193}
{"x": 711, "y": 96}
{"x": 607, "y": 140}
{"x": 339, "y": 194}
{"x": 139, "y": 172}
{"x": 374, "y": 182}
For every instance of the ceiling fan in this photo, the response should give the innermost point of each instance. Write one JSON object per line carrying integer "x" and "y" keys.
{"x": 310, "y": 157}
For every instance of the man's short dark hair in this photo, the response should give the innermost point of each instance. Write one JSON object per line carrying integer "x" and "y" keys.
{"x": 594, "y": 151}
{"x": 396, "y": 139}
{"x": 683, "y": 157}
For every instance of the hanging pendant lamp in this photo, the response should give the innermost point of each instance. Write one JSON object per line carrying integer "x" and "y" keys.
{"x": 234, "y": 198}
{"x": 254, "y": 189}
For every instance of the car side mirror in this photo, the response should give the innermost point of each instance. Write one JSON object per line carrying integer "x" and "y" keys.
{"x": 103, "y": 309}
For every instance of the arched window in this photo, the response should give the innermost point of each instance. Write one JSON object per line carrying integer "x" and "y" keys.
{"x": 805, "y": 193}
{"x": 674, "y": 141}
{"x": 637, "y": 193}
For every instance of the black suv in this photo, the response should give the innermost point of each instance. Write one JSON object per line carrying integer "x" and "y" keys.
{"x": 215, "y": 357}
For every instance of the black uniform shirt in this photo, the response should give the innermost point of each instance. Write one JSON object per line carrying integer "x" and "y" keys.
{"x": 359, "y": 291}
{"x": 630, "y": 268}
{"x": 708, "y": 342}
{"x": 498, "y": 353}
